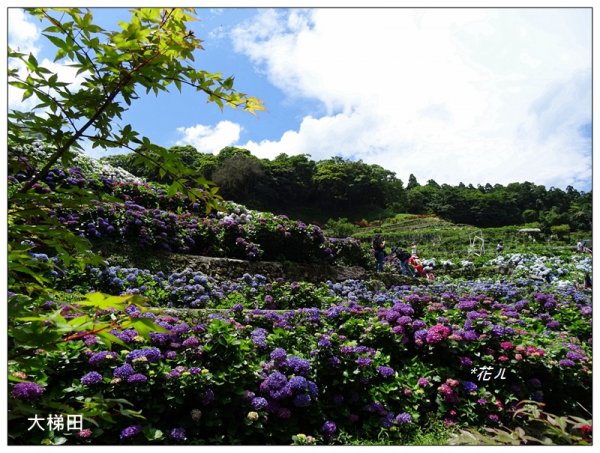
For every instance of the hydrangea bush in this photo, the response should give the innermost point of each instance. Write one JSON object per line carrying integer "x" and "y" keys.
{"x": 370, "y": 360}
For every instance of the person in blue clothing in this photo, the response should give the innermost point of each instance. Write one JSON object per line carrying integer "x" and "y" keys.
{"x": 378, "y": 245}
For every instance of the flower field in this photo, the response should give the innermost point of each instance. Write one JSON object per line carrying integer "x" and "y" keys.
{"x": 148, "y": 357}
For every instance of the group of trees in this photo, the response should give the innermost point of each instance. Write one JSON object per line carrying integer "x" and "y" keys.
{"x": 498, "y": 205}
{"x": 343, "y": 188}
{"x": 286, "y": 182}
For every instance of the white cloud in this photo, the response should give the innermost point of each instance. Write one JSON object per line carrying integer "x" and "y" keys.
{"x": 471, "y": 95}
{"x": 23, "y": 35}
{"x": 208, "y": 139}
{"x": 22, "y": 32}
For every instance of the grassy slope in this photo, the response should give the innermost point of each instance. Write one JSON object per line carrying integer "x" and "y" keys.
{"x": 439, "y": 238}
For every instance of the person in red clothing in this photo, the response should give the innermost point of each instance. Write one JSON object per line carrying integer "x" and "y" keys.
{"x": 416, "y": 263}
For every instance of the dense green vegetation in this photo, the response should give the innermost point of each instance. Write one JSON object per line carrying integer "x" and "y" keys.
{"x": 338, "y": 187}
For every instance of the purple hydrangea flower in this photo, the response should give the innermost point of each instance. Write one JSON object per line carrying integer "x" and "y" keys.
{"x": 423, "y": 382}
{"x": 387, "y": 420}
{"x": 127, "y": 335}
{"x": 284, "y": 392}
{"x": 137, "y": 378}
{"x": 363, "y": 361}
{"x": 91, "y": 378}
{"x": 130, "y": 431}
{"x": 151, "y": 354}
{"x": 279, "y": 355}
{"x": 173, "y": 374}
{"x": 191, "y": 342}
{"x": 98, "y": 358}
{"x": 419, "y": 324}
{"x": 302, "y": 400}
{"x": 298, "y": 366}
{"x": 403, "y": 418}
{"x": 566, "y": 362}
{"x": 275, "y": 381}
{"x": 324, "y": 343}
{"x": 209, "y": 397}
{"x": 259, "y": 337}
{"x": 259, "y": 403}
{"x": 27, "y": 391}
{"x": 403, "y": 320}
{"x": 178, "y": 434}
{"x": 385, "y": 371}
{"x": 123, "y": 371}
{"x": 131, "y": 310}
{"x": 160, "y": 338}
{"x": 465, "y": 362}
{"x": 420, "y": 336}
{"x": 298, "y": 383}
{"x": 329, "y": 427}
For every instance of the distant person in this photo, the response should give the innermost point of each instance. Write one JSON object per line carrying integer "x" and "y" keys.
{"x": 413, "y": 250}
{"x": 580, "y": 247}
{"x": 428, "y": 270}
{"x": 403, "y": 256}
{"x": 499, "y": 247}
{"x": 416, "y": 264}
{"x": 378, "y": 245}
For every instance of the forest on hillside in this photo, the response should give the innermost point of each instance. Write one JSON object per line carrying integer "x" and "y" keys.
{"x": 338, "y": 187}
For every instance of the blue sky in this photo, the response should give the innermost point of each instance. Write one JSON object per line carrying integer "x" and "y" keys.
{"x": 470, "y": 95}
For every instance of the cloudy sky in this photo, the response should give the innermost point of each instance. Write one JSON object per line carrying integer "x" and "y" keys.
{"x": 471, "y": 95}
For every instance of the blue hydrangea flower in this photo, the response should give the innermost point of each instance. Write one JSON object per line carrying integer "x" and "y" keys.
{"x": 259, "y": 403}
{"x": 91, "y": 378}
{"x": 470, "y": 386}
{"x": 298, "y": 383}
{"x": 298, "y": 366}
{"x": 302, "y": 400}
{"x": 403, "y": 418}
{"x": 275, "y": 381}
{"x": 123, "y": 371}
{"x": 279, "y": 355}
{"x": 150, "y": 354}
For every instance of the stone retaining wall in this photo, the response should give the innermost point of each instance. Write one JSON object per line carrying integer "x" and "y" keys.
{"x": 155, "y": 261}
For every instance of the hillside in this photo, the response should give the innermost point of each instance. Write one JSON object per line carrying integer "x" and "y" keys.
{"x": 270, "y": 340}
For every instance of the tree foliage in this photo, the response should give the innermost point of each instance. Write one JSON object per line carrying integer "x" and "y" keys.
{"x": 339, "y": 187}
{"x": 152, "y": 52}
